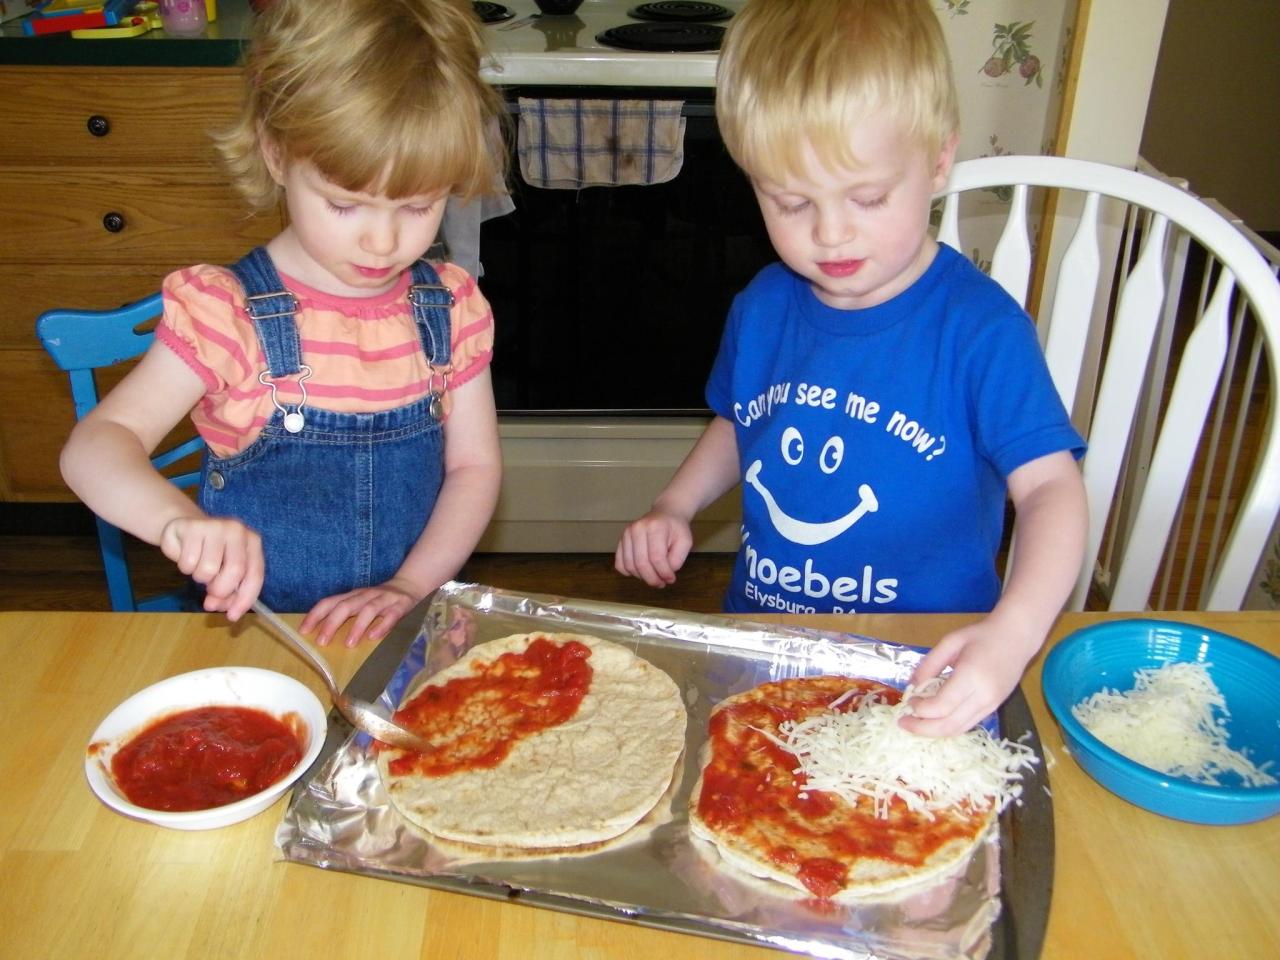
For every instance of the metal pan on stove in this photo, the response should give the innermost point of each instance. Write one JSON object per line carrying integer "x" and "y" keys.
{"x": 659, "y": 37}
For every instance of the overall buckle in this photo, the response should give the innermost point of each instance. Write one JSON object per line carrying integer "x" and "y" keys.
{"x": 252, "y": 300}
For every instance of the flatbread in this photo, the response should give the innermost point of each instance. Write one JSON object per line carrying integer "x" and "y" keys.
{"x": 661, "y": 812}
{"x": 748, "y": 804}
{"x": 584, "y": 780}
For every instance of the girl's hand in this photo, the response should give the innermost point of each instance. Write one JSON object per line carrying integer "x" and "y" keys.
{"x": 373, "y": 611}
{"x": 222, "y": 554}
{"x": 985, "y": 668}
{"x": 654, "y": 547}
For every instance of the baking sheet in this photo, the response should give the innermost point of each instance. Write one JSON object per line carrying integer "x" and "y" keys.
{"x": 340, "y": 817}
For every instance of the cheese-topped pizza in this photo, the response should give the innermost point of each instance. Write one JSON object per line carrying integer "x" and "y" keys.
{"x": 781, "y": 796}
{"x": 544, "y": 741}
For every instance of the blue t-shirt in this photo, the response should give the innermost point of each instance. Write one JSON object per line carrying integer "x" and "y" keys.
{"x": 875, "y": 444}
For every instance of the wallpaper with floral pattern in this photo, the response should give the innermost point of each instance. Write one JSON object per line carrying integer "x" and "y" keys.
{"x": 1009, "y": 58}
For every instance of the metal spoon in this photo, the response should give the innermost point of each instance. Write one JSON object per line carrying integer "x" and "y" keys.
{"x": 362, "y": 715}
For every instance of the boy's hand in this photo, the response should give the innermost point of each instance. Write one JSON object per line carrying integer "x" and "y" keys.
{"x": 373, "y": 611}
{"x": 654, "y": 547}
{"x": 985, "y": 664}
{"x": 222, "y": 554}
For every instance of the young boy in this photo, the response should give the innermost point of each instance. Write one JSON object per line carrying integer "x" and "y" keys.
{"x": 876, "y": 393}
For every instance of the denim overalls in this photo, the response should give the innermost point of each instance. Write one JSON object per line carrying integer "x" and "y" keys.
{"x": 339, "y": 498}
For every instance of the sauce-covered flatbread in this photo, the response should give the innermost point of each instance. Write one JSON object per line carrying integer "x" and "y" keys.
{"x": 751, "y": 805}
{"x": 545, "y": 741}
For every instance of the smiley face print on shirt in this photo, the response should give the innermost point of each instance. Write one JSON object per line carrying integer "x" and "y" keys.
{"x": 829, "y": 459}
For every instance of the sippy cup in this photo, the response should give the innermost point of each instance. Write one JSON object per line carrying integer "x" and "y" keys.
{"x": 183, "y": 18}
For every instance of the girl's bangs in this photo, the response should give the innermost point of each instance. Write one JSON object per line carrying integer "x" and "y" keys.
{"x": 407, "y": 159}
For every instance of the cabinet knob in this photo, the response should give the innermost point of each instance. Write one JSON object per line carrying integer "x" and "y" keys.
{"x": 113, "y": 222}
{"x": 98, "y": 125}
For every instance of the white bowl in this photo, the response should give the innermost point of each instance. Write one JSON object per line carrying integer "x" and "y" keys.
{"x": 265, "y": 690}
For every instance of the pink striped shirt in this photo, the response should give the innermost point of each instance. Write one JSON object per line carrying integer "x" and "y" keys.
{"x": 364, "y": 353}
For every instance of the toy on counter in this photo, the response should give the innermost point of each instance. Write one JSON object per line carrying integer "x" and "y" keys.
{"x": 145, "y": 17}
{"x": 63, "y": 16}
{"x": 107, "y": 19}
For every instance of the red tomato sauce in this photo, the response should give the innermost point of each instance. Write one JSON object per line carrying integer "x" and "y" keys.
{"x": 478, "y": 718}
{"x": 206, "y": 757}
{"x": 749, "y": 789}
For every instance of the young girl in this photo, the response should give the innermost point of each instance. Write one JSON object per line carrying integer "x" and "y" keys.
{"x": 340, "y": 381}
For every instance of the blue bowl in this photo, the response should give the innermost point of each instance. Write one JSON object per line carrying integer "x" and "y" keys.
{"x": 1106, "y": 656}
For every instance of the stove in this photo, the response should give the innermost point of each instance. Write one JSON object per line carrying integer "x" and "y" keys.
{"x": 580, "y": 408}
{"x": 610, "y": 43}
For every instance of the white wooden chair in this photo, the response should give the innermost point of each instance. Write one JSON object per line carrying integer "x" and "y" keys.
{"x": 1111, "y": 303}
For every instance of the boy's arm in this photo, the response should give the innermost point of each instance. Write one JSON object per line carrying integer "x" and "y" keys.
{"x": 654, "y": 547}
{"x": 988, "y": 657}
{"x": 463, "y": 509}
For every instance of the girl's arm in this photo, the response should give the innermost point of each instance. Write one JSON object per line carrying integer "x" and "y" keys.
{"x": 107, "y": 462}
{"x": 107, "y": 459}
{"x": 654, "y": 547}
{"x": 988, "y": 657}
{"x": 472, "y": 477}
{"x": 469, "y": 494}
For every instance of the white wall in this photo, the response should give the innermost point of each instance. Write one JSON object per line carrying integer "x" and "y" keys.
{"x": 1117, "y": 43}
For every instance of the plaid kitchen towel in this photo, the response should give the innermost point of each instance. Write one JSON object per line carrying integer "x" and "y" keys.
{"x": 568, "y": 144}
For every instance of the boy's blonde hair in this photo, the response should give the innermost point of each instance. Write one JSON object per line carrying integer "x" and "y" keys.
{"x": 795, "y": 72}
{"x": 382, "y": 96}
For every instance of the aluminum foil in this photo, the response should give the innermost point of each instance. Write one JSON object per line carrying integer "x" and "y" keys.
{"x": 341, "y": 818}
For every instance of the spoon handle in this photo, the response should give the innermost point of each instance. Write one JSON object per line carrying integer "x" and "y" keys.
{"x": 295, "y": 639}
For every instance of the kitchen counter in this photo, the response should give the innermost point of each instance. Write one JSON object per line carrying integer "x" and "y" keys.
{"x": 80, "y": 880}
{"x": 219, "y": 46}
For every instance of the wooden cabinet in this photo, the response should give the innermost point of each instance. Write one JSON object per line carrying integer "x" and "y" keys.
{"x": 108, "y": 181}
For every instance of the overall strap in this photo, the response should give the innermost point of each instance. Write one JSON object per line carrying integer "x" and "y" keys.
{"x": 431, "y": 301}
{"x": 271, "y": 307}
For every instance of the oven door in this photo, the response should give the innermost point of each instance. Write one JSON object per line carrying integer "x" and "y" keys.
{"x": 612, "y": 299}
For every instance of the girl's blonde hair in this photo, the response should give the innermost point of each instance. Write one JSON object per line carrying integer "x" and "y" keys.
{"x": 382, "y": 96}
{"x": 795, "y": 72}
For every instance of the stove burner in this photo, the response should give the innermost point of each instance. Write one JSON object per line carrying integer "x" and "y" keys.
{"x": 491, "y": 12}
{"x": 680, "y": 11}
{"x": 663, "y": 37}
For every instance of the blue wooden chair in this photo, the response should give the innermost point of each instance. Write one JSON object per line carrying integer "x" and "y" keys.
{"x": 82, "y": 342}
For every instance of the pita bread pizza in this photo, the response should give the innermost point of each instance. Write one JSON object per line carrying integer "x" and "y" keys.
{"x": 810, "y": 783}
{"x": 546, "y": 742}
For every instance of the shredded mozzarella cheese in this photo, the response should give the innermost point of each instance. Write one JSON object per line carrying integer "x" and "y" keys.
{"x": 865, "y": 753}
{"x": 1174, "y": 720}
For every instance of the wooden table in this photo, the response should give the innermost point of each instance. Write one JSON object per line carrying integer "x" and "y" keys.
{"x": 81, "y": 881}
